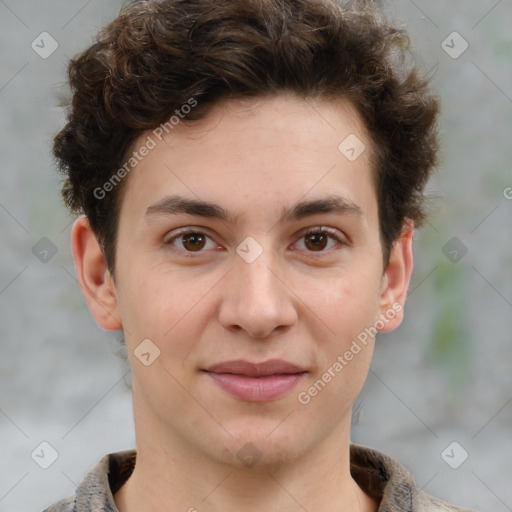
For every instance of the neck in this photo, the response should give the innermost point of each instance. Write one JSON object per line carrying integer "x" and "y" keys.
{"x": 170, "y": 475}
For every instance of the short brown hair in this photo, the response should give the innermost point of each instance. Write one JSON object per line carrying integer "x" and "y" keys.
{"x": 156, "y": 56}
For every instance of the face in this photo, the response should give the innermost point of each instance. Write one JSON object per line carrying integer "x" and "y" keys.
{"x": 249, "y": 255}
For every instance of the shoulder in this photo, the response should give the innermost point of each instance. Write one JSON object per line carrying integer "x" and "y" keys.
{"x": 65, "y": 505}
{"x": 427, "y": 503}
{"x": 97, "y": 489}
{"x": 391, "y": 484}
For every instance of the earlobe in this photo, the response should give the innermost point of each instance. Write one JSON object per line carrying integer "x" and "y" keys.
{"x": 396, "y": 278}
{"x": 95, "y": 280}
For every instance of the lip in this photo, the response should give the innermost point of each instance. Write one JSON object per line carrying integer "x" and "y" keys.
{"x": 256, "y": 382}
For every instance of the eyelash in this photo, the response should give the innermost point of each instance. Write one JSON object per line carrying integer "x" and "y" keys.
{"x": 332, "y": 233}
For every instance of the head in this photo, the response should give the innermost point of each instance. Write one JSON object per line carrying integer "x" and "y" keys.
{"x": 251, "y": 123}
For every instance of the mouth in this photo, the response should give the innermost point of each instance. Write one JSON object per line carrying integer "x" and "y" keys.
{"x": 256, "y": 382}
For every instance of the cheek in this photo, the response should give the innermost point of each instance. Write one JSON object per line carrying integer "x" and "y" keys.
{"x": 347, "y": 305}
{"x": 343, "y": 356}
{"x": 171, "y": 308}
{"x": 163, "y": 309}
{"x": 346, "y": 301}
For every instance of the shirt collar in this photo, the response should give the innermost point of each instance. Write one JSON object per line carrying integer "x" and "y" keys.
{"x": 380, "y": 476}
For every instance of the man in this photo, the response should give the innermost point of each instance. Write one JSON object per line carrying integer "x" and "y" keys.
{"x": 250, "y": 174}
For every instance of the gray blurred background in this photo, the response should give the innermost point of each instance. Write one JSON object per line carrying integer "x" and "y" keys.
{"x": 438, "y": 397}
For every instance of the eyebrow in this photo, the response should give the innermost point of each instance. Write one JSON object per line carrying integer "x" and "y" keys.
{"x": 174, "y": 205}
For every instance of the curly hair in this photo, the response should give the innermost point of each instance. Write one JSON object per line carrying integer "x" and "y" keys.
{"x": 157, "y": 55}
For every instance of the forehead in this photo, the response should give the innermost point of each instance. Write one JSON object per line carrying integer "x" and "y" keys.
{"x": 281, "y": 122}
{"x": 266, "y": 149}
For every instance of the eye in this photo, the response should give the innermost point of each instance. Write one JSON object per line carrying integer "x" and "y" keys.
{"x": 317, "y": 239}
{"x": 191, "y": 240}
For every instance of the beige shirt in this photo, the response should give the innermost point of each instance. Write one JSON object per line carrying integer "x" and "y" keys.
{"x": 380, "y": 476}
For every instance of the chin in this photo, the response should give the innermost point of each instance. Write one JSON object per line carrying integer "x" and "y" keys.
{"x": 266, "y": 447}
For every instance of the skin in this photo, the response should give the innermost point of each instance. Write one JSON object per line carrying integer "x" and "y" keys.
{"x": 295, "y": 302}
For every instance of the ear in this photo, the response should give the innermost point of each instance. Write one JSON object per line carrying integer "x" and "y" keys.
{"x": 395, "y": 281}
{"x": 95, "y": 280}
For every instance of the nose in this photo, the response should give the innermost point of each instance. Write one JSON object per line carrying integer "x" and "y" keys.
{"x": 256, "y": 298}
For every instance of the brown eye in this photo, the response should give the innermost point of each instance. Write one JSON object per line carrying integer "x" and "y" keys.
{"x": 193, "y": 241}
{"x": 320, "y": 240}
{"x": 189, "y": 240}
{"x": 316, "y": 241}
